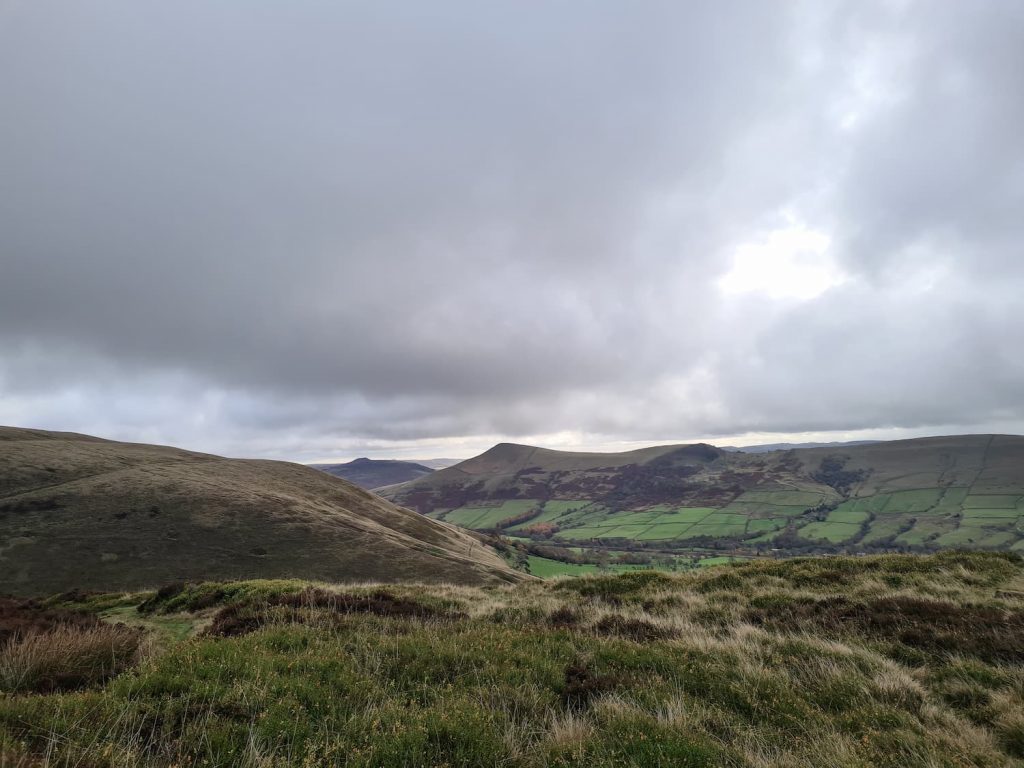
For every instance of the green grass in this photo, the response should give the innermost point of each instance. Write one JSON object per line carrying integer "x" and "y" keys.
{"x": 926, "y": 529}
{"x": 486, "y": 517}
{"x": 1011, "y": 513}
{"x": 546, "y": 569}
{"x": 742, "y": 665}
{"x": 846, "y": 516}
{"x": 990, "y": 501}
{"x": 624, "y": 531}
{"x": 803, "y": 499}
{"x": 976, "y": 536}
{"x": 552, "y": 511}
{"x": 873, "y": 504}
{"x": 166, "y": 629}
{"x": 562, "y": 506}
{"x": 628, "y": 517}
{"x": 684, "y": 514}
{"x": 764, "y": 525}
{"x": 663, "y": 531}
{"x": 723, "y": 529}
{"x": 583, "y": 532}
{"x": 920, "y": 500}
{"x": 925, "y": 518}
{"x": 886, "y": 527}
{"x": 954, "y": 496}
{"x": 828, "y": 531}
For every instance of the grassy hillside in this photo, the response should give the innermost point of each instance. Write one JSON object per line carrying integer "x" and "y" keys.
{"x": 78, "y": 512}
{"x": 898, "y": 661}
{"x": 375, "y": 473}
{"x": 908, "y": 495}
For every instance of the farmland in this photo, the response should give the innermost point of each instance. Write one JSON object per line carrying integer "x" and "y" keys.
{"x": 918, "y": 495}
{"x": 913, "y": 518}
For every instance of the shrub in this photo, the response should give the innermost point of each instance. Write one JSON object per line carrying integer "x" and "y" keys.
{"x": 638, "y": 630}
{"x": 67, "y": 657}
{"x": 23, "y": 617}
{"x": 245, "y": 617}
{"x": 563, "y": 617}
{"x": 582, "y": 685}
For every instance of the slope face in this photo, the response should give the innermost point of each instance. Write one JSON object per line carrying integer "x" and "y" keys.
{"x": 375, "y": 473}
{"x": 924, "y": 494}
{"x": 80, "y": 512}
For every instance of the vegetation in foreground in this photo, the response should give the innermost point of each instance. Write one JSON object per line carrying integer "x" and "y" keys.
{"x": 873, "y": 661}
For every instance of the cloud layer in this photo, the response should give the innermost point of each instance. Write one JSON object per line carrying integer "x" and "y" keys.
{"x": 324, "y": 228}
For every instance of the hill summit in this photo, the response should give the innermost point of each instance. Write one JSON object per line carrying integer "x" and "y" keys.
{"x": 375, "y": 473}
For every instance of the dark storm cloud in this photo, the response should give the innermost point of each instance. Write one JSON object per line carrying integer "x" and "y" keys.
{"x": 260, "y": 226}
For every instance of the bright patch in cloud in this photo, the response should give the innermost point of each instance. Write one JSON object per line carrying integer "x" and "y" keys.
{"x": 788, "y": 263}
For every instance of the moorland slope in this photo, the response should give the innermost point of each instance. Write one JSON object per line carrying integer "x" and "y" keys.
{"x": 79, "y": 512}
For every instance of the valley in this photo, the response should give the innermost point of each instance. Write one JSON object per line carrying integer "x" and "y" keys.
{"x": 929, "y": 494}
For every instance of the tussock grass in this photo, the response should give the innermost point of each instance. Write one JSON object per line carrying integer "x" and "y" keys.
{"x": 701, "y": 669}
{"x": 67, "y": 657}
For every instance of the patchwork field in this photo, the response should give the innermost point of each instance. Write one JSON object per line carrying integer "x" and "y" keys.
{"x": 918, "y": 495}
{"x": 910, "y": 518}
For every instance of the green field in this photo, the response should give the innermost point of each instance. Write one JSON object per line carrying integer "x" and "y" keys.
{"x": 915, "y": 517}
{"x": 991, "y": 501}
{"x": 912, "y": 501}
{"x": 832, "y": 532}
{"x": 483, "y": 517}
{"x": 664, "y": 531}
{"x": 552, "y": 511}
{"x": 847, "y": 516}
{"x": 878, "y": 496}
{"x": 803, "y": 499}
{"x": 546, "y": 569}
{"x": 1004, "y": 513}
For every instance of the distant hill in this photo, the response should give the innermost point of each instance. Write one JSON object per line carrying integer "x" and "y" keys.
{"x": 438, "y": 463}
{"x": 919, "y": 495}
{"x": 78, "y": 512}
{"x": 768, "y": 447}
{"x": 375, "y": 473}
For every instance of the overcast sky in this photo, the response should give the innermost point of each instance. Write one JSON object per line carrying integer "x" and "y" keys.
{"x": 316, "y": 230}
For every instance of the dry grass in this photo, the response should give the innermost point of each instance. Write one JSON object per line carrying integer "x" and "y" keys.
{"x": 67, "y": 658}
{"x": 108, "y": 515}
{"x": 635, "y": 670}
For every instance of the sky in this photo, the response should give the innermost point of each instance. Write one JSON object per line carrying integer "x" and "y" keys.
{"x": 317, "y": 230}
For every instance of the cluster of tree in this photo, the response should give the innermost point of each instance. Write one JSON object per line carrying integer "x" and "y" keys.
{"x": 522, "y": 517}
{"x": 832, "y": 472}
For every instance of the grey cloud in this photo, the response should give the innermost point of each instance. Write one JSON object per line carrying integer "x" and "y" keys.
{"x": 295, "y": 223}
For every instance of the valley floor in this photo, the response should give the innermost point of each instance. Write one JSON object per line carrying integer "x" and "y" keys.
{"x": 870, "y": 661}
